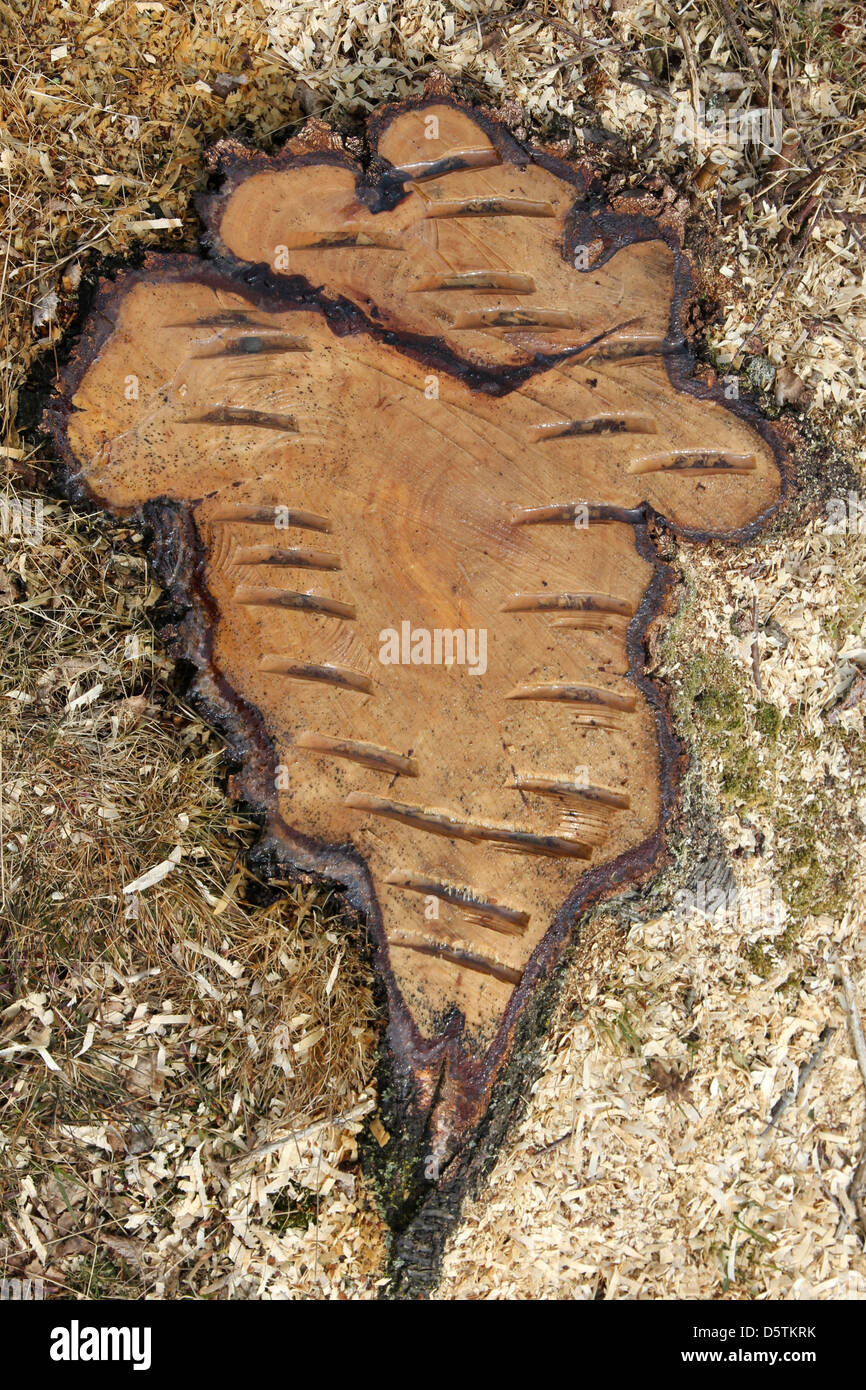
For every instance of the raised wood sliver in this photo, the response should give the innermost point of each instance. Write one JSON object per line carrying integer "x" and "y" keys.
{"x": 419, "y": 440}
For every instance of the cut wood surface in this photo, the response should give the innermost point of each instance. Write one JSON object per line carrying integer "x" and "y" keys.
{"x": 421, "y": 422}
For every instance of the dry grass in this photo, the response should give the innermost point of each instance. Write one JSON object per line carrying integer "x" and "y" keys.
{"x": 136, "y": 1070}
{"x": 149, "y": 1036}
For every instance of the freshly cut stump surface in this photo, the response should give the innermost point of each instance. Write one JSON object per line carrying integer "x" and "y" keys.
{"x": 404, "y": 438}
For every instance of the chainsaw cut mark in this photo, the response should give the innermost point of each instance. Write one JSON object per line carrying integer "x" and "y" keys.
{"x": 505, "y": 317}
{"x": 700, "y": 463}
{"x": 565, "y": 692}
{"x": 574, "y": 603}
{"x": 349, "y": 238}
{"x": 249, "y": 597}
{"x": 505, "y": 973}
{"x": 574, "y": 791}
{"x": 254, "y": 345}
{"x": 477, "y": 280}
{"x": 595, "y": 424}
{"x": 488, "y": 206}
{"x": 367, "y": 754}
{"x": 274, "y": 515}
{"x": 577, "y": 514}
{"x": 234, "y": 415}
{"x": 508, "y": 920}
{"x": 423, "y": 170}
{"x": 441, "y": 823}
{"x": 293, "y": 557}
{"x": 340, "y": 677}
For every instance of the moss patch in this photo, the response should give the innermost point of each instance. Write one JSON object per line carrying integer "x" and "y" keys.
{"x": 716, "y": 711}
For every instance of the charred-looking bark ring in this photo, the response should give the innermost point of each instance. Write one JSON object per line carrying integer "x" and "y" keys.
{"x": 402, "y": 440}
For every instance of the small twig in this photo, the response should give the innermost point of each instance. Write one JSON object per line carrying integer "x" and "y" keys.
{"x": 844, "y": 217}
{"x": 833, "y": 1197}
{"x": 804, "y": 241}
{"x": 2, "y": 855}
{"x": 562, "y": 26}
{"x": 807, "y": 180}
{"x": 857, "y": 1189}
{"x": 756, "y": 655}
{"x": 854, "y": 1020}
{"x": 857, "y": 1185}
{"x": 791, "y": 1096}
{"x": 688, "y": 51}
{"x": 840, "y": 328}
{"x": 554, "y": 1144}
{"x": 358, "y": 1112}
{"x": 743, "y": 45}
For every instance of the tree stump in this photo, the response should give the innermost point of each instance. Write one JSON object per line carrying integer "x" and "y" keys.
{"x": 403, "y": 440}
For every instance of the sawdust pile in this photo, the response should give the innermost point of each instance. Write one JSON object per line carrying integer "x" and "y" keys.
{"x": 640, "y": 1171}
{"x": 699, "y": 1123}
